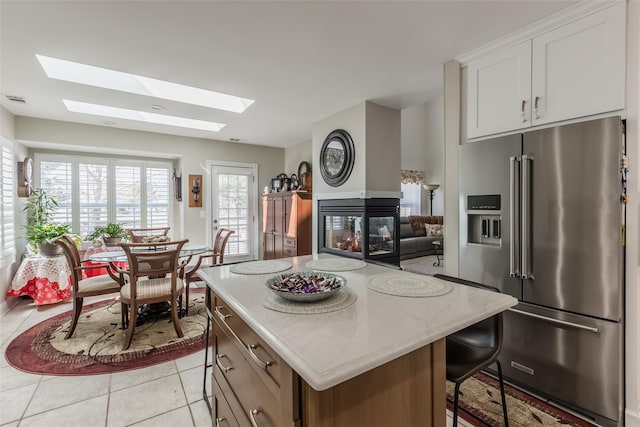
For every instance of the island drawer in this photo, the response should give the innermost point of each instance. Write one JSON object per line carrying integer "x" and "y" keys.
{"x": 222, "y": 414}
{"x": 257, "y": 401}
{"x": 262, "y": 359}
{"x": 229, "y": 407}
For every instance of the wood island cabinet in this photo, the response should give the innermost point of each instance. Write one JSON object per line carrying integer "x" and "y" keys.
{"x": 286, "y": 224}
{"x": 253, "y": 386}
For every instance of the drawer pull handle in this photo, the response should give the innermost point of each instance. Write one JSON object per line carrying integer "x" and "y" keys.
{"x": 254, "y": 356}
{"x": 219, "y": 420}
{"x": 222, "y": 316}
{"x": 252, "y": 416}
{"x": 223, "y": 368}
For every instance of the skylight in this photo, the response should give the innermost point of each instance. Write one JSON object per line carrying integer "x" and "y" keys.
{"x": 140, "y": 116}
{"x": 131, "y": 83}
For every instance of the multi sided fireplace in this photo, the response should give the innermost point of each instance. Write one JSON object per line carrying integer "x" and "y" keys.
{"x": 360, "y": 228}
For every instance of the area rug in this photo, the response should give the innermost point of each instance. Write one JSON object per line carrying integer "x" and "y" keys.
{"x": 96, "y": 345}
{"x": 480, "y": 405}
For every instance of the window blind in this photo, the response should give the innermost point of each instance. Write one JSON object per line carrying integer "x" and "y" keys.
{"x": 94, "y": 191}
{"x": 7, "y": 224}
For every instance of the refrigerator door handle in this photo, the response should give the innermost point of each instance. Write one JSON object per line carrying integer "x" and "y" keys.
{"x": 526, "y": 217}
{"x": 593, "y": 329}
{"x": 514, "y": 255}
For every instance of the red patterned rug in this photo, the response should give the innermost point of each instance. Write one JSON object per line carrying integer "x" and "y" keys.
{"x": 480, "y": 405}
{"x": 96, "y": 345}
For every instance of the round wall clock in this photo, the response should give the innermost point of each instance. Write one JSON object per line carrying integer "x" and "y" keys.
{"x": 25, "y": 177}
{"x": 337, "y": 156}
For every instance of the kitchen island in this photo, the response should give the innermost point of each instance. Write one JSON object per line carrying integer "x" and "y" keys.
{"x": 377, "y": 362}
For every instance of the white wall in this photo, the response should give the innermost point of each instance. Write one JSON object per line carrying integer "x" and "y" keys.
{"x": 383, "y": 148}
{"x": 189, "y": 156}
{"x": 7, "y": 131}
{"x": 295, "y": 154}
{"x": 375, "y": 131}
{"x": 632, "y": 336}
{"x": 353, "y": 121}
{"x": 423, "y": 147}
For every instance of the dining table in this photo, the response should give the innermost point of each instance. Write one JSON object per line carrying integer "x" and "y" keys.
{"x": 47, "y": 280}
{"x": 98, "y": 249}
{"x": 112, "y": 256}
{"x": 116, "y": 259}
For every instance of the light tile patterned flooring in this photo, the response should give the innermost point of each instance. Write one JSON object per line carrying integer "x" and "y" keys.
{"x": 169, "y": 394}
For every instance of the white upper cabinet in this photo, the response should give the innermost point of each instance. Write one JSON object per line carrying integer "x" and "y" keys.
{"x": 499, "y": 91}
{"x": 572, "y": 71}
{"x": 578, "y": 69}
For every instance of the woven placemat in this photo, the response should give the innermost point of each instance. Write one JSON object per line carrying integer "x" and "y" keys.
{"x": 408, "y": 285}
{"x": 336, "y": 264}
{"x": 260, "y": 267}
{"x": 342, "y": 299}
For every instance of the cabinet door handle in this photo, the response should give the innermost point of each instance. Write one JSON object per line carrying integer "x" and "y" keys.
{"x": 223, "y": 368}
{"x": 222, "y": 316}
{"x": 523, "y": 113}
{"x": 535, "y": 107}
{"x": 219, "y": 420}
{"x": 252, "y": 416}
{"x": 264, "y": 365}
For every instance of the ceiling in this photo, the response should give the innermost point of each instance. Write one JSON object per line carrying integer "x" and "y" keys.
{"x": 300, "y": 61}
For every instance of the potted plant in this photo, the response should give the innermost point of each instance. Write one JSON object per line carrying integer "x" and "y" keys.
{"x": 111, "y": 234}
{"x": 41, "y": 231}
{"x": 41, "y": 236}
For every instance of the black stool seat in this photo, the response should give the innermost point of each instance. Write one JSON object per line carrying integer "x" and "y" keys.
{"x": 471, "y": 349}
{"x": 474, "y": 348}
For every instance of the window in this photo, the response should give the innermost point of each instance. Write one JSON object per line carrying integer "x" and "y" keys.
{"x": 411, "y": 197}
{"x": 7, "y": 227}
{"x": 94, "y": 191}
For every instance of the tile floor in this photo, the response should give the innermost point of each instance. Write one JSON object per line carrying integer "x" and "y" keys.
{"x": 169, "y": 394}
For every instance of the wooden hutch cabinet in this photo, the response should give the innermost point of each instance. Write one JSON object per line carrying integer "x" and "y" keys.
{"x": 286, "y": 224}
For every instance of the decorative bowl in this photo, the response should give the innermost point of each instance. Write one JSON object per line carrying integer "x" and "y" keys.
{"x": 306, "y": 286}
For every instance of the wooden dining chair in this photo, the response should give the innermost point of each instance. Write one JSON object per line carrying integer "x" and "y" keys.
{"x": 214, "y": 257}
{"x": 148, "y": 235}
{"x": 80, "y": 287}
{"x": 154, "y": 275}
{"x": 473, "y": 349}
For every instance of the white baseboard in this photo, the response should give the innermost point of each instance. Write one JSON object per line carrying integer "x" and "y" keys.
{"x": 7, "y": 304}
{"x": 632, "y": 419}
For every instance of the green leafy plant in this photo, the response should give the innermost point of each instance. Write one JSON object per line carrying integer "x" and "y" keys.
{"x": 40, "y": 207}
{"x": 44, "y": 233}
{"x": 112, "y": 229}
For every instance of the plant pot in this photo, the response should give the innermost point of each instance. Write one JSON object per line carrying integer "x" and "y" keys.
{"x": 49, "y": 249}
{"x": 112, "y": 241}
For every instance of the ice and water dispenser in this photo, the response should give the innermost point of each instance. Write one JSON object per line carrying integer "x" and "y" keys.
{"x": 484, "y": 219}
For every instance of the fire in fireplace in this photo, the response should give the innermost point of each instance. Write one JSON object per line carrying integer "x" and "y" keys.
{"x": 360, "y": 228}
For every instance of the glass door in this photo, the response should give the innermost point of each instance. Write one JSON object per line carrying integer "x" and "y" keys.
{"x": 233, "y": 205}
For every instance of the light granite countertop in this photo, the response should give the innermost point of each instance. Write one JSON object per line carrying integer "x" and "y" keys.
{"x": 330, "y": 348}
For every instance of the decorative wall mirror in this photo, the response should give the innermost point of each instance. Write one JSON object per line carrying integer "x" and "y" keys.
{"x": 337, "y": 157}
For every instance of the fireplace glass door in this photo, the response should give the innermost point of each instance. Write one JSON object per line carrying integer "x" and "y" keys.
{"x": 360, "y": 228}
{"x": 382, "y": 239}
{"x": 344, "y": 233}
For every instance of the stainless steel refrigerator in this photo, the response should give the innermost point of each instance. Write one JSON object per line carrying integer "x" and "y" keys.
{"x": 542, "y": 217}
